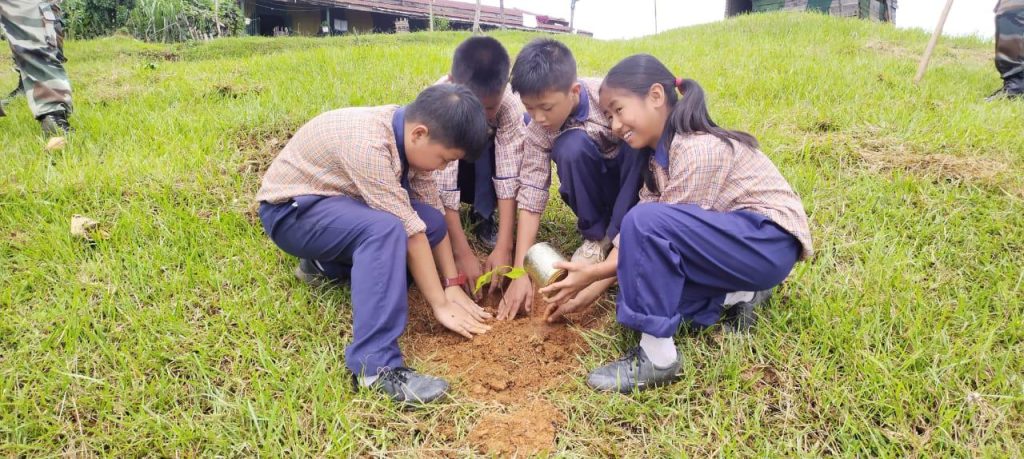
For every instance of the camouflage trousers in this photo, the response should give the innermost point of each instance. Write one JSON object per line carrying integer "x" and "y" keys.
{"x": 34, "y": 29}
{"x": 1009, "y": 40}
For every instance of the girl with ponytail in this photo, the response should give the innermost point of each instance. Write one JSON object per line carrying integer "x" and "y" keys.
{"x": 717, "y": 227}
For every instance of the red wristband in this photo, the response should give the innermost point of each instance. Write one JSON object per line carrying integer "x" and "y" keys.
{"x": 457, "y": 281}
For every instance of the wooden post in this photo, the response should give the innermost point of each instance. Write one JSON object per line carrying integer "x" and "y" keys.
{"x": 431, "y": 15}
{"x": 501, "y": 22}
{"x": 931, "y": 44}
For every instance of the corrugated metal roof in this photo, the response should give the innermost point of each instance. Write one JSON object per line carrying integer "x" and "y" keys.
{"x": 453, "y": 10}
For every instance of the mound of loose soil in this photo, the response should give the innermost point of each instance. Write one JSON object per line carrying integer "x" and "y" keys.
{"x": 526, "y": 431}
{"x": 515, "y": 360}
{"x": 512, "y": 364}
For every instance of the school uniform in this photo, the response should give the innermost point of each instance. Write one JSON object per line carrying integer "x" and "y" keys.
{"x": 495, "y": 175}
{"x": 721, "y": 221}
{"x": 341, "y": 193}
{"x": 599, "y": 175}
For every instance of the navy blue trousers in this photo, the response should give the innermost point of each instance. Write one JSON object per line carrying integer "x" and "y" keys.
{"x": 353, "y": 242}
{"x": 476, "y": 184}
{"x": 678, "y": 261}
{"x": 599, "y": 191}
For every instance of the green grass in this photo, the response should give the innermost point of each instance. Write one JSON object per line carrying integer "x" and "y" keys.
{"x": 182, "y": 332}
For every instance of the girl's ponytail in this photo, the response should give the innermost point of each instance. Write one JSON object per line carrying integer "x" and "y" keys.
{"x": 691, "y": 115}
{"x": 637, "y": 73}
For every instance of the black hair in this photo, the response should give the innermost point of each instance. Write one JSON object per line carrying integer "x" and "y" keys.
{"x": 637, "y": 73}
{"x": 482, "y": 64}
{"x": 454, "y": 116}
{"x": 543, "y": 65}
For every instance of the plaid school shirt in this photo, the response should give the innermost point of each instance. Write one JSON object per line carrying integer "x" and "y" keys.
{"x": 701, "y": 169}
{"x": 509, "y": 130}
{"x": 350, "y": 152}
{"x": 535, "y": 173}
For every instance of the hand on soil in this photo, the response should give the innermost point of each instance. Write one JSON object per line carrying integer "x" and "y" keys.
{"x": 519, "y": 295}
{"x": 455, "y": 318}
{"x": 584, "y": 298}
{"x": 460, "y": 298}
{"x": 573, "y": 283}
{"x": 498, "y": 258}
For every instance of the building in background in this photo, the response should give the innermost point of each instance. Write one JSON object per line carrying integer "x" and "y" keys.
{"x": 881, "y": 10}
{"x": 339, "y": 17}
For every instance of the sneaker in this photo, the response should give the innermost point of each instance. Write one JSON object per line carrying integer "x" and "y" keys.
{"x": 742, "y": 316}
{"x": 308, "y": 272}
{"x": 55, "y": 124}
{"x": 486, "y": 231}
{"x": 632, "y": 372}
{"x": 406, "y": 386}
{"x": 592, "y": 252}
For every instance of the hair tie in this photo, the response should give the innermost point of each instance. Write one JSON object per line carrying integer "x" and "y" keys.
{"x": 679, "y": 84}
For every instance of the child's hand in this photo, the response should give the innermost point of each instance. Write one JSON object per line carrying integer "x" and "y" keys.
{"x": 468, "y": 265}
{"x": 456, "y": 318}
{"x": 578, "y": 279}
{"x": 519, "y": 295}
{"x": 584, "y": 298}
{"x": 498, "y": 258}
{"x": 458, "y": 296}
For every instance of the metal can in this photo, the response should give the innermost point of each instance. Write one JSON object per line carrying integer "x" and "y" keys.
{"x": 540, "y": 264}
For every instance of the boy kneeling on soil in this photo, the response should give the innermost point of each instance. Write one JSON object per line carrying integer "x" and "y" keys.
{"x": 716, "y": 229}
{"x": 353, "y": 197}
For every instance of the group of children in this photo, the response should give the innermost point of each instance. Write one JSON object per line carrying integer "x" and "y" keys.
{"x": 690, "y": 219}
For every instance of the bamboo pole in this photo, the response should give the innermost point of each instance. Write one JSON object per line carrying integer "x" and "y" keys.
{"x": 931, "y": 45}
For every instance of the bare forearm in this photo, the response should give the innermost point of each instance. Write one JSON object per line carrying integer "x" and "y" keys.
{"x": 459, "y": 241}
{"x": 605, "y": 270}
{"x": 444, "y": 259}
{"x": 526, "y": 234}
{"x": 421, "y": 263}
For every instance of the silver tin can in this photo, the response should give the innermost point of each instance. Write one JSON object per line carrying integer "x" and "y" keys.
{"x": 540, "y": 264}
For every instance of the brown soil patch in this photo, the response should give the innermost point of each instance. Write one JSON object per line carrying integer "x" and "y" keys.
{"x": 512, "y": 365}
{"x": 526, "y": 431}
{"x": 515, "y": 360}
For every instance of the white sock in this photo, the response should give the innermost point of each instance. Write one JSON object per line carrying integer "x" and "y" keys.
{"x": 661, "y": 351}
{"x": 737, "y": 297}
{"x": 365, "y": 381}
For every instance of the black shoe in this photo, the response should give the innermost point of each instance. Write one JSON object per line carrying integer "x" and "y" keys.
{"x": 406, "y": 386}
{"x": 742, "y": 316}
{"x": 308, "y": 272}
{"x": 55, "y": 124}
{"x": 486, "y": 231}
{"x": 633, "y": 371}
{"x": 1011, "y": 90}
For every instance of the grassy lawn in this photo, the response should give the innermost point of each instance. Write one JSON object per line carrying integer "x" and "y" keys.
{"x": 180, "y": 330}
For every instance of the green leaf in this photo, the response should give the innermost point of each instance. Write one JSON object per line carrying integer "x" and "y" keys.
{"x": 515, "y": 273}
{"x": 483, "y": 280}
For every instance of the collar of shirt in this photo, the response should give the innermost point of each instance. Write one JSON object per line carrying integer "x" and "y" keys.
{"x": 664, "y": 145}
{"x": 582, "y": 110}
{"x": 398, "y": 126}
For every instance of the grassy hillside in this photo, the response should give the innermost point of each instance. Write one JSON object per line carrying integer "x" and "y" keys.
{"x": 181, "y": 331}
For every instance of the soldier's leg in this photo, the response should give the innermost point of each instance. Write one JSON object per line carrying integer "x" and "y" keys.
{"x": 1010, "y": 50}
{"x": 32, "y": 31}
